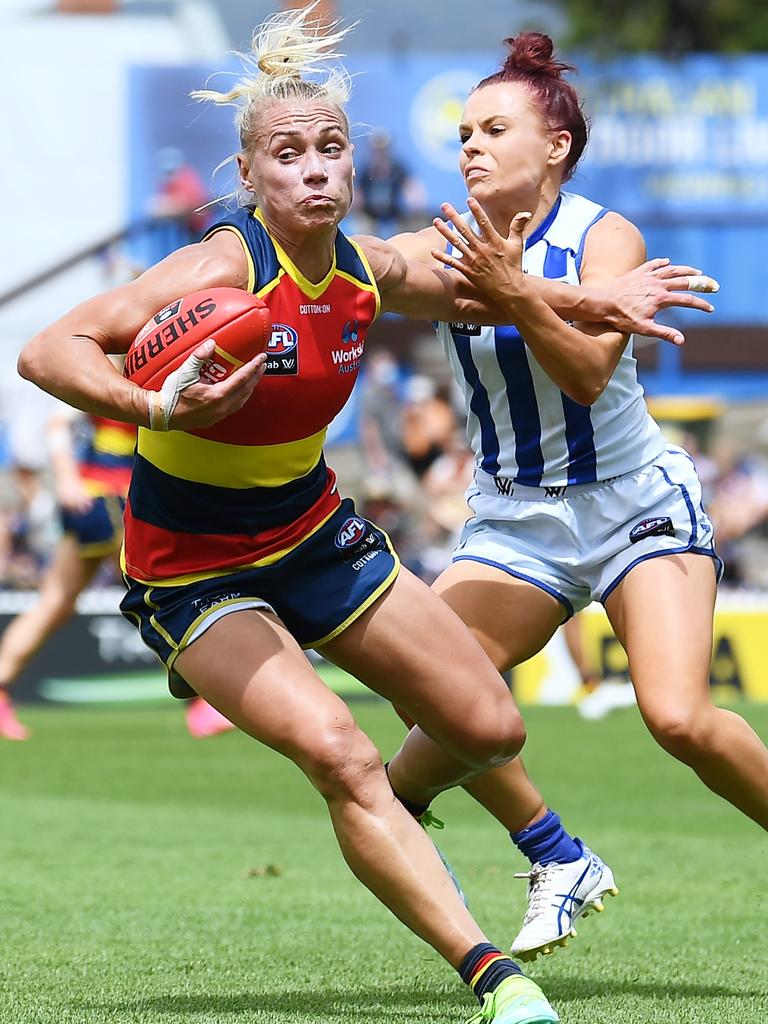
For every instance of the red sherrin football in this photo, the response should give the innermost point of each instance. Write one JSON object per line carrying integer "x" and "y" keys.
{"x": 236, "y": 320}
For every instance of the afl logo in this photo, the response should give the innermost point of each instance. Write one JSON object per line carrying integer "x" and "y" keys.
{"x": 350, "y": 332}
{"x": 168, "y": 312}
{"x": 283, "y": 339}
{"x": 352, "y": 532}
{"x": 657, "y": 526}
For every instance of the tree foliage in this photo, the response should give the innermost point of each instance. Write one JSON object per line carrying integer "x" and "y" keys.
{"x": 671, "y": 27}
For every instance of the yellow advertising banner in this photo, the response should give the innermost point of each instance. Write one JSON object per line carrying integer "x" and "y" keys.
{"x": 739, "y": 668}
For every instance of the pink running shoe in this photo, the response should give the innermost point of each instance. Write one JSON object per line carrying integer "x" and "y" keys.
{"x": 204, "y": 720}
{"x": 10, "y": 727}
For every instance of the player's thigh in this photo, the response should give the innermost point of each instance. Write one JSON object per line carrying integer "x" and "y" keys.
{"x": 68, "y": 573}
{"x": 249, "y": 667}
{"x": 662, "y": 613}
{"x": 511, "y": 619}
{"x": 411, "y": 648}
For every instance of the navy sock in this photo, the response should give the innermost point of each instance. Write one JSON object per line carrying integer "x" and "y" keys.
{"x": 546, "y": 842}
{"x": 485, "y": 967}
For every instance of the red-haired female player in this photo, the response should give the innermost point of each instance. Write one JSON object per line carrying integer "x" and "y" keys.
{"x": 576, "y": 496}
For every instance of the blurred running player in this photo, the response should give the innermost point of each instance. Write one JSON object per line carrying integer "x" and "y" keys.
{"x": 576, "y": 497}
{"x": 90, "y": 488}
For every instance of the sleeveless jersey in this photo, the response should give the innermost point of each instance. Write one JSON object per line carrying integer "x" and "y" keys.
{"x": 246, "y": 491}
{"x": 520, "y": 425}
{"x": 105, "y": 464}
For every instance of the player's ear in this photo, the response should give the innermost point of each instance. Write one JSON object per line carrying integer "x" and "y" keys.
{"x": 244, "y": 167}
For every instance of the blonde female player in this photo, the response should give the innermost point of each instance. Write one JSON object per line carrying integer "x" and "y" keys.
{"x": 576, "y": 497}
{"x": 286, "y": 562}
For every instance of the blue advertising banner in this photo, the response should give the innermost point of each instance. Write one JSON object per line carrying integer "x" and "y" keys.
{"x": 679, "y": 147}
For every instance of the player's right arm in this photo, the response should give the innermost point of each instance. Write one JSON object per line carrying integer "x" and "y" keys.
{"x": 70, "y": 360}
{"x": 629, "y": 302}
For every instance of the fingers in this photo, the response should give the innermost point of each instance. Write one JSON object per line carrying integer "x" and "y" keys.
{"x": 451, "y": 236}
{"x": 702, "y": 283}
{"x": 205, "y": 350}
{"x": 483, "y": 221}
{"x": 657, "y": 263}
{"x": 673, "y": 270}
{"x": 449, "y": 261}
{"x": 653, "y": 330}
{"x": 688, "y": 300}
{"x": 519, "y": 223}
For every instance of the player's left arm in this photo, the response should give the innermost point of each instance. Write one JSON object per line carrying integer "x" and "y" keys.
{"x": 491, "y": 265}
{"x": 578, "y": 358}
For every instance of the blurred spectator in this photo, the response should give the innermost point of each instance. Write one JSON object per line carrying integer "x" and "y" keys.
{"x": 428, "y": 424}
{"x": 178, "y": 202}
{"x": 389, "y": 198}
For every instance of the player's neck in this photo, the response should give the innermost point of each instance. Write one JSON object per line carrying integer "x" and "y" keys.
{"x": 310, "y": 252}
{"x": 539, "y": 203}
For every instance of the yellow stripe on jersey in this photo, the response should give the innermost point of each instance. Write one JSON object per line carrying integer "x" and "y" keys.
{"x": 311, "y": 290}
{"x": 113, "y": 441}
{"x": 246, "y": 250}
{"x": 373, "y": 287}
{"x": 202, "y": 461}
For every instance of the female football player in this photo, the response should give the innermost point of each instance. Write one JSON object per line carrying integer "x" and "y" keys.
{"x": 576, "y": 496}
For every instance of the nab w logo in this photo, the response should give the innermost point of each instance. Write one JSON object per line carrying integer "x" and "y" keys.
{"x": 283, "y": 339}
{"x": 351, "y": 533}
{"x": 504, "y": 486}
{"x": 555, "y": 492}
{"x": 168, "y": 312}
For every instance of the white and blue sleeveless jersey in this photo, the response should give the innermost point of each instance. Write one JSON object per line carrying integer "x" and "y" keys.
{"x": 520, "y": 425}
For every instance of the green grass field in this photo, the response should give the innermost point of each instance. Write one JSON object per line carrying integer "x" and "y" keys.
{"x": 148, "y": 877}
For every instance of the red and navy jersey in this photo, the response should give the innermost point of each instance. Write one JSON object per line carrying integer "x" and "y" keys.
{"x": 105, "y": 464}
{"x": 252, "y": 487}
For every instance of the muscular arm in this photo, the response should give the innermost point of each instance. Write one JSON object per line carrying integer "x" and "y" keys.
{"x": 629, "y": 301}
{"x": 69, "y": 359}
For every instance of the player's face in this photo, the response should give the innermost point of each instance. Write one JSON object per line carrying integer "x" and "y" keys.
{"x": 508, "y": 150}
{"x": 300, "y": 166}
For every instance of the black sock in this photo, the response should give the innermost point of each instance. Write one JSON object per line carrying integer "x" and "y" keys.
{"x": 485, "y": 967}
{"x": 414, "y": 809}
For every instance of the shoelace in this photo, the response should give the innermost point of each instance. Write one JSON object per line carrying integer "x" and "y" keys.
{"x": 430, "y": 820}
{"x": 538, "y": 877}
{"x": 486, "y": 1011}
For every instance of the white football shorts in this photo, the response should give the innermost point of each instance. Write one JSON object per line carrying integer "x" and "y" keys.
{"x": 578, "y": 543}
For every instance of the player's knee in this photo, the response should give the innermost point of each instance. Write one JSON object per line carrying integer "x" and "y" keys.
{"x": 682, "y": 731}
{"x": 342, "y": 762}
{"x": 492, "y": 738}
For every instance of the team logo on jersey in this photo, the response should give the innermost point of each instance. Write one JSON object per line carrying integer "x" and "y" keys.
{"x": 350, "y": 331}
{"x": 347, "y": 359}
{"x": 656, "y": 526}
{"x": 168, "y": 312}
{"x": 282, "y": 351}
{"x": 467, "y": 330}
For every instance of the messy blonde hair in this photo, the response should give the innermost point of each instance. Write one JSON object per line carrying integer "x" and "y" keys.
{"x": 292, "y": 57}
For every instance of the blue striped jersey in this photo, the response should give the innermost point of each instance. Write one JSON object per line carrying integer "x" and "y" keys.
{"x": 520, "y": 425}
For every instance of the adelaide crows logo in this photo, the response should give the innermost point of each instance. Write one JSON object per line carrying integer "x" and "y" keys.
{"x": 350, "y": 332}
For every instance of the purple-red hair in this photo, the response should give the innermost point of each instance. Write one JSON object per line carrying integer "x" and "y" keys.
{"x": 530, "y": 62}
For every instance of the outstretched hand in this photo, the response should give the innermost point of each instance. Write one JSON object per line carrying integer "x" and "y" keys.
{"x": 635, "y": 298}
{"x": 490, "y": 262}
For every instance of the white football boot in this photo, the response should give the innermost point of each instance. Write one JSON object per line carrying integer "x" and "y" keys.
{"x": 558, "y": 895}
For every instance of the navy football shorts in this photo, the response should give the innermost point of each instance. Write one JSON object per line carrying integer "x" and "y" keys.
{"x": 317, "y": 589}
{"x": 99, "y": 531}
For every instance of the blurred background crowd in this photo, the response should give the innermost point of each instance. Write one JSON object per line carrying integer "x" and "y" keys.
{"x": 678, "y": 97}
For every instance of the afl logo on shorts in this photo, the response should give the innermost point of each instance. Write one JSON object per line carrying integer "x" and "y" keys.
{"x": 351, "y": 533}
{"x": 282, "y": 352}
{"x": 657, "y": 526}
